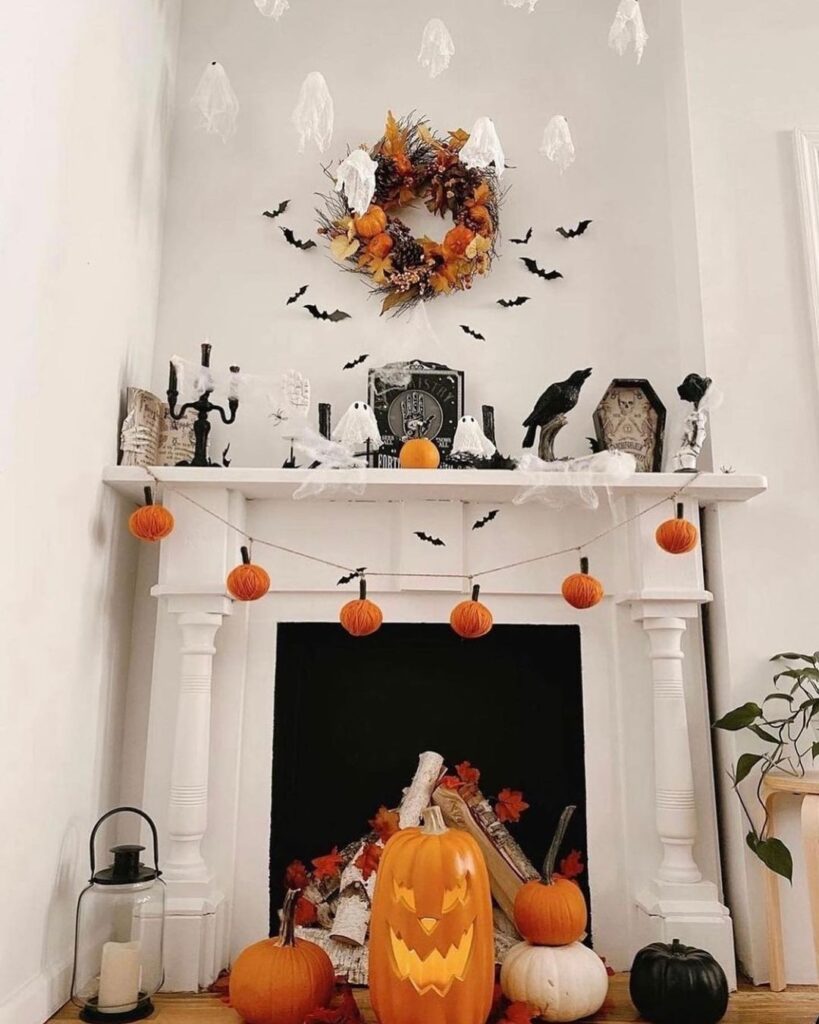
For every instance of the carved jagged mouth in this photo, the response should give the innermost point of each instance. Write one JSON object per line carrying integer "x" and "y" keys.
{"x": 435, "y": 972}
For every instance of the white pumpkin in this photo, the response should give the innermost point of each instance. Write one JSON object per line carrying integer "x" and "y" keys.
{"x": 565, "y": 983}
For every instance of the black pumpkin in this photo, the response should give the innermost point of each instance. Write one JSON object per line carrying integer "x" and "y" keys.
{"x": 678, "y": 984}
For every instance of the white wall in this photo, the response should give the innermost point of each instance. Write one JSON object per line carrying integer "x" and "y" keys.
{"x": 84, "y": 121}
{"x": 752, "y": 80}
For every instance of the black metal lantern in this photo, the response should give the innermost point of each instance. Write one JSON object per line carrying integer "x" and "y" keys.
{"x": 119, "y": 934}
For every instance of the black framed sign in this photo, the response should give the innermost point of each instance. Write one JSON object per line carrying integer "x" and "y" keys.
{"x": 631, "y": 418}
{"x": 415, "y": 399}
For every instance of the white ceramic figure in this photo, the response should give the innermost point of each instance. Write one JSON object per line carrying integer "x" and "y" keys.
{"x": 471, "y": 440}
{"x": 357, "y": 427}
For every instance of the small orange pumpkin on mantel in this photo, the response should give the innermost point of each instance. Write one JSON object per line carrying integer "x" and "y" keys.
{"x": 362, "y": 617}
{"x": 419, "y": 453}
{"x": 280, "y": 981}
{"x": 151, "y": 522}
{"x": 552, "y": 912}
{"x": 471, "y": 619}
{"x": 677, "y": 536}
{"x": 248, "y": 582}
{"x": 581, "y": 590}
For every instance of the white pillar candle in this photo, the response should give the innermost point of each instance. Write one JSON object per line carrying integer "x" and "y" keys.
{"x": 119, "y": 977}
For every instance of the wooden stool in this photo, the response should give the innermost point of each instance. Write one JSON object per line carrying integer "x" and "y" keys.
{"x": 808, "y": 788}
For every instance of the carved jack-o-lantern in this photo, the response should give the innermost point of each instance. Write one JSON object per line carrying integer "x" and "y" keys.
{"x": 431, "y": 943}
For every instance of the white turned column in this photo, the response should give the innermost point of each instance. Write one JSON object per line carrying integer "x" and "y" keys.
{"x": 674, "y": 779}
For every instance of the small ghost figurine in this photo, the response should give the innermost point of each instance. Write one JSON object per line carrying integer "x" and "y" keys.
{"x": 358, "y": 428}
{"x": 557, "y": 143}
{"x": 272, "y": 8}
{"x": 437, "y": 47}
{"x": 627, "y": 27}
{"x": 356, "y": 177}
{"x": 484, "y": 147}
{"x": 314, "y": 115}
{"x": 216, "y": 102}
{"x": 471, "y": 440}
{"x": 693, "y": 389}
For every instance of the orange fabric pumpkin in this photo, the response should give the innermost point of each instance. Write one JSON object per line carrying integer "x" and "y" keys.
{"x": 432, "y": 950}
{"x": 371, "y": 223}
{"x": 677, "y": 536}
{"x": 151, "y": 522}
{"x": 248, "y": 582}
{"x": 380, "y": 246}
{"x": 361, "y": 617}
{"x": 581, "y": 590}
{"x": 280, "y": 981}
{"x": 457, "y": 240}
{"x": 471, "y": 619}
{"x": 419, "y": 453}
{"x": 552, "y": 912}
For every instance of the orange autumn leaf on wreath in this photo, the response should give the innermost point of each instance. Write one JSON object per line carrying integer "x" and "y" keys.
{"x": 385, "y": 823}
{"x": 296, "y": 875}
{"x": 510, "y": 805}
{"x": 329, "y": 865}
{"x": 367, "y": 860}
{"x": 572, "y": 865}
{"x": 305, "y": 912}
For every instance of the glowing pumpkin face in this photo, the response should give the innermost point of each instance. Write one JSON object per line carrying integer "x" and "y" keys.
{"x": 431, "y": 945}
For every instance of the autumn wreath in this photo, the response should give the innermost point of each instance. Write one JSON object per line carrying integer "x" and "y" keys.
{"x": 414, "y": 164}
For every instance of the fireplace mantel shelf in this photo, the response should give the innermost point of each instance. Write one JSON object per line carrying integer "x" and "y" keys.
{"x": 492, "y": 486}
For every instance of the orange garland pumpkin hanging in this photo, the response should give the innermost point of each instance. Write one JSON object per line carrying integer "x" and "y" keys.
{"x": 581, "y": 590}
{"x": 432, "y": 950}
{"x": 471, "y": 619}
{"x": 361, "y": 617}
{"x": 419, "y": 453}
{"x": 677, "y": 536}
{"x": 151, "y": 522}
{"x": 280, "y": 981}
{"x": 248, "y": 582}
{"x": 552, "y": 912}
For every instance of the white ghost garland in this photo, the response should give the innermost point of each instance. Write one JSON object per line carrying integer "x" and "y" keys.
{"x": 521, "y": 3}
{"x": 628, "y": 27}
{"x": 471, "y": 440}
{"x": 557, "y": 144}
{"x": 357, "y": 427}
{"x": 437, "y": 47}
{"x": 272, "y": 8}
{"x": 216, "y": 102}
{"x": 313, "y": 115}
{"x": 356, "y": 177}
{"x": 484, "y": 147}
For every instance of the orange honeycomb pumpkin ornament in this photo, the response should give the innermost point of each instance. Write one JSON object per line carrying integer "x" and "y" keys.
{"x": 471, "y": 619}
{"x": 581, "y": 590}
{"x": 362, "y": 617}
{"x": 677, "y": 536}
{"x": 248, "y": 582}
{"x": 151, "y": 522}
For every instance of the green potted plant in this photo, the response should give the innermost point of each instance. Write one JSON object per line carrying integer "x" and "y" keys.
{"x": 784, "y": 721}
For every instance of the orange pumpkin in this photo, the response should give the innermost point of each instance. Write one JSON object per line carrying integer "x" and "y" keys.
{"x": 151, "y": 522}
{"x": 419, "y": 453}
{"x": 471, "y": 619}
{"x": 677, "y": 536}
{"x": 552, "y": 912}
{"x": 581, "y": 590}
{"x": 361, "y": 617}
{"x": 371, "y": 223}
{"x": 248, "y": 582}
{"x": 432, "y": 948}
{"x": 457, "y": 241}
{"x": 280, "y": 981}
{"x": 380, "y": 246}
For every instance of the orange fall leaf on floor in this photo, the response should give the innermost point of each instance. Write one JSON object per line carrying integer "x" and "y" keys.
{"x": 385, "y": 823}
{"x": 519, "y": 1013}
{"x": 510, "y": 805}
{"x": 367, "y": 861}
{"x": 329, "y": 865}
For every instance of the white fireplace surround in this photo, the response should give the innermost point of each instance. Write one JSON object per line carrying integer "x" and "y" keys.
{"x": 653, "y": 852}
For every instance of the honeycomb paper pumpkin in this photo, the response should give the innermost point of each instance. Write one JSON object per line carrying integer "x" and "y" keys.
{"x": 563, "y": 983}
{"x": 581, "y": 590}
{"x": 471, "y": 619}
{"x": 362, "y": 617}
{"x": 677, "y": 536}
{"x": 248, "y": 582}
{"x": 151, "y": 522}
{"x": 431, "y": 936}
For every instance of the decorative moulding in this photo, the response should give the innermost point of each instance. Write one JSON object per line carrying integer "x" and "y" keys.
{"x": 806, "y": 145}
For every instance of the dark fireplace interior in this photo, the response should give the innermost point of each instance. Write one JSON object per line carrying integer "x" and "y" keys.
{"x": 352, "y": 715}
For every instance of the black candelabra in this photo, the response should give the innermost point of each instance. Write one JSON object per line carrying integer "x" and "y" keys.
{"x": 204, "y": 407}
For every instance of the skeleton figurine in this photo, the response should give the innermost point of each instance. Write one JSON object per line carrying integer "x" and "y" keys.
{"x": 693, "y": 389}
{"x": 471, "y": 440}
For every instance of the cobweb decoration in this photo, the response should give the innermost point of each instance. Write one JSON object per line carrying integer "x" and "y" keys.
{"x": 470, "y": 439}
{"x": 409, "y": 340}
{"x": 216, "y": 102}
{"x": 521, "y": 3}
{"x": 356, "y": 177}
{"x": 272, "y": 8}
{"x": 313, "y": 115}
{"x": 484, "y": 147}
{"x": 321, "y": 453}
{"x": 437, "y": 47}
{"x": 584, "y": 478}
{"x": 627, "y": 28}
{"x": 557, "y": 143}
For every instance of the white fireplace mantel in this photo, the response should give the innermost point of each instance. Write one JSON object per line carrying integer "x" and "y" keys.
{"x": 653, "y": 849}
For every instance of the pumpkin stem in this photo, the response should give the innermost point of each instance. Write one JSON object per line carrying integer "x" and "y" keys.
{"x": 584, "y": 565}
{"x": 434, "y": 824}
{"x": 679, "y": 510}
{"x": 557, "y": 842}
{"x": 287, "y": 933}
{"x": 476, "y": 591}
{"x": 149, "y": 496}
{"x": 362, "y": 589}
{"x": 245, "y": 555}
{"x": 676, "y": 947}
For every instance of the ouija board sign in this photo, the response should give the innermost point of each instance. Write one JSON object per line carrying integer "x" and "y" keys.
{"x": 415, "y": 399}
{"x": 631, "y": 418}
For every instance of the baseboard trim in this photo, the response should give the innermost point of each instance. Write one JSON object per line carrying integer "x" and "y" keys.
{"x": 39, "y": 998}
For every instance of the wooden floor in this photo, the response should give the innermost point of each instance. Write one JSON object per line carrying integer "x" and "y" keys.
{"x": 799, "y": 1005}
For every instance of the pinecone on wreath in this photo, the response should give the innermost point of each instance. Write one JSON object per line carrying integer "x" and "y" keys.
{"x": 406, "y": 251}
{"x": 387, "y": 180}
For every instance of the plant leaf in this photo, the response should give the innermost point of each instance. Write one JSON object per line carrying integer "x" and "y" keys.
{"x": 739, "y": 718}
{"x": 773, "y": 853}
{"x": 779, "y": 696}
{"x": 793, "y": 656}
{"x": 744, "y": 765}
{"x": 769, "y": 737}
{"x": 814, "y": 750}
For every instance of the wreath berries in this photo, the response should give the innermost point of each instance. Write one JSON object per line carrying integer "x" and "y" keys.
{"x": 414, "y": 164}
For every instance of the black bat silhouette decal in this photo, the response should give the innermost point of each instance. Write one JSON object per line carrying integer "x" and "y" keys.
{"x": 355, "y": 362}
{"x": 435, "y": 541}
{"x": 479, "y": 525}
{"x": 297, "y": 295}
{"x": 533, "y": 268}
{"x": 522, "y": 241}
{"x": 353, "y": 576}
{"x": 468, "y": 330}
{"x": 272, "y": 214}
{"x": 292, "y": 240}
{"x": 574, "y": 232}
{"x": 322, "y": 314}
{"x": 506, "y": 303}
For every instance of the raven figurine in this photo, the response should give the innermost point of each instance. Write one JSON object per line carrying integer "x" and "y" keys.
{"x": 550, "y": 410}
